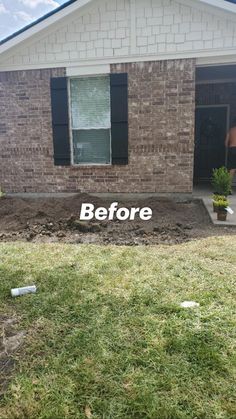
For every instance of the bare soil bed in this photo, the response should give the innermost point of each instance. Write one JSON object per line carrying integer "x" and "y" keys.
{"x": 57, "y": 219}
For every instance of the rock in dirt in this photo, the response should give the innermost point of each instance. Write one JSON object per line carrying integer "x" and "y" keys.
{"x": 83, "y": 226}
{"x": 61, "y": 234}
{"x": 95, "y": 228}
{"x": 76, "y": 224}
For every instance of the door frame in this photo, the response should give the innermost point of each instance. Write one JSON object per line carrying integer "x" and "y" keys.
{"x": 227, "y": 106}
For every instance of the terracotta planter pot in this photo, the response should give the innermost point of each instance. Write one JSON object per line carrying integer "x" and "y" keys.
{"x": 221, "y": 215}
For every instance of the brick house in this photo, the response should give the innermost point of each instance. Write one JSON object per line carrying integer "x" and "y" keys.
{"x": 118, "y": 96}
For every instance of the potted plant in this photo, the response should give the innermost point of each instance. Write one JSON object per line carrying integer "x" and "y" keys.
{"x": 221, "y": 206}
{"x": 221, "y": 182}
{"x": 216, "y": 198}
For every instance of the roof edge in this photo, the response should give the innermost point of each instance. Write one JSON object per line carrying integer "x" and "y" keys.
{"x": 35, "y": 22}
{"x": 42, "y": 23}
{"x": 221, "y": 4}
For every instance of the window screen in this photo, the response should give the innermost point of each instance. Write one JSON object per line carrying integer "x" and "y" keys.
{"x": 91, "y": 120}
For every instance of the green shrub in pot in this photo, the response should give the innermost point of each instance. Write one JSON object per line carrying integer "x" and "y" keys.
{"x": 221, "y": 181}
{"x": 216, "y": 198}
{"x": 221, "y": 206}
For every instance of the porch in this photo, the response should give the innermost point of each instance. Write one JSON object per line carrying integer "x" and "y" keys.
{"x": 204, "y": 192}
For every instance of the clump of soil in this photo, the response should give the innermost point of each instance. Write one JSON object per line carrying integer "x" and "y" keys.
{"x": 57, "y": 219}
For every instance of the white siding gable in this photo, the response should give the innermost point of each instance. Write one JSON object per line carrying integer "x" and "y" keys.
{"x": 128, "y": 30}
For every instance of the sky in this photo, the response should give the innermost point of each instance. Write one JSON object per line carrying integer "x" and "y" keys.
{"x": 15, "y": 14}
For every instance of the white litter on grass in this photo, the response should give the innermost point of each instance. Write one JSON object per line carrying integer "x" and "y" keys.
{"x": 189, "y": 304}
{"x": 16, "y": 292}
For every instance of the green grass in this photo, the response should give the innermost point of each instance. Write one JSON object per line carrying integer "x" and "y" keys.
{"x": 107, "y": 338}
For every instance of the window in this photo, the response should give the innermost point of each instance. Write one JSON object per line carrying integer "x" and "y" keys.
{"x": 91, "y": 120}
{"x": 97, "y": 131}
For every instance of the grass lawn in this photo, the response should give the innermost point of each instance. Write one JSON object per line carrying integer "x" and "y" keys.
{"x": 106, "y": 338}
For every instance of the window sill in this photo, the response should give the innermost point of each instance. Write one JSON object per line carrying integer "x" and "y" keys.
{"x": 91, "y": 165}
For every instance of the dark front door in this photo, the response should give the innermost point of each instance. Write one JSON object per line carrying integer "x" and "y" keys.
{"x": 210, "y": 133}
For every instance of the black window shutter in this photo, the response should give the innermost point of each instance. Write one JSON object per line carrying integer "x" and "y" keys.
{"x": 119, "y": 118}
{"x": 60, "y": 121}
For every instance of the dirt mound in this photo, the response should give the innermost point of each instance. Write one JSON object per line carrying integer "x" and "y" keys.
{"x": 57, "y": 219}
{"x": 18, "y": 212}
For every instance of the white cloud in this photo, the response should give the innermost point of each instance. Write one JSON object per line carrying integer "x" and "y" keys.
{"x": 25, "y": 17}
{"x": 32, "y": 4}
{"x": 3, "y": 9}
{"x": 15, "y": 14}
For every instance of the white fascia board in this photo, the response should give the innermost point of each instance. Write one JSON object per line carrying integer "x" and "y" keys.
{"x": 91, "y": 66}
{"x": 218, "y": 7}
{"x": 208, "y": 61}
{"x": 221, "y": 4}
{"x": 43, "y": 25}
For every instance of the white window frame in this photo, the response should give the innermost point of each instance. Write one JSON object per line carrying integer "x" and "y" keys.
{"x": 71, "y": 127}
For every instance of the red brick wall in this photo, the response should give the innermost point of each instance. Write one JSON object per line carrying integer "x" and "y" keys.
{"x": 161, "y": 133}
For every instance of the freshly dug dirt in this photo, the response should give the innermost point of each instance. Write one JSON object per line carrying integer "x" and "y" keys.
{"x": 57, "y": 219}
